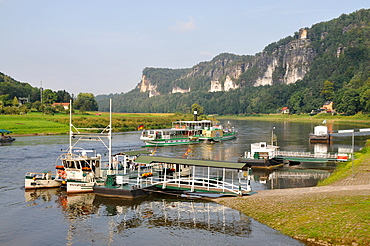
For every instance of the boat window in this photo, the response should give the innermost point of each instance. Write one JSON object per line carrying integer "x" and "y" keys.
{"x": 83, "y": 164}
{"x": 77, "y": 165}
{"x": 70, "y": 164}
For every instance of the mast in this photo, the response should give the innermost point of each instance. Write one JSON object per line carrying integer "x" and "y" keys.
{"x": 110, "y": 133}
{"x": 70, "y": 127}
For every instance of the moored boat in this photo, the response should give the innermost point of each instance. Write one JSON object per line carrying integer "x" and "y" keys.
{"x": 169, "y": 137}
{"x": 117, "y": 186}
{"x": 6, "y": 138}
{"x": 188, "y": 132}
{"x": 261, "y": 155}
{"x": 41, "y": 180}
{"x": 320, "y": 134}
{"x": 81, "y": 171}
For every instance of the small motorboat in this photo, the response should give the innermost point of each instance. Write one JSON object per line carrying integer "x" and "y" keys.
{"x": 6, "y": 138}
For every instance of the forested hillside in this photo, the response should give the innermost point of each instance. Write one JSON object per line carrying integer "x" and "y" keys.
{"x": 20, "y": 98}
{"x": 328, "y": 61}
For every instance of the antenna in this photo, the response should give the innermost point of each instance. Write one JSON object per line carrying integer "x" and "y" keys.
{"x": 41, "y": 92}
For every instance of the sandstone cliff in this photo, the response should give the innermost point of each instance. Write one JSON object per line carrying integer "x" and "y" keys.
{"x": 284, "y": 63}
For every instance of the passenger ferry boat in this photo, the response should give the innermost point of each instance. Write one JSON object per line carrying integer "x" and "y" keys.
{"x": 187, "y": 132}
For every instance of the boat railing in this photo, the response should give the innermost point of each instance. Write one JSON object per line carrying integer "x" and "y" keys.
{"x": 280, "y": 153}
{"x": 237, "y": 187}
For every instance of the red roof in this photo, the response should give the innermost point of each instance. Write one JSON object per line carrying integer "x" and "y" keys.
{"x": 63, "y": 104}
{"x": 285, "y": 108}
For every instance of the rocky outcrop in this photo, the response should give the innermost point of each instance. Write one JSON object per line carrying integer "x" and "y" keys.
{"x": 286, "y": 63}
{"x": 228, "y": 84}
{"x": 179, "y": 90}
{"x": 292, "y": 61}
{"x": 146, "y": 86}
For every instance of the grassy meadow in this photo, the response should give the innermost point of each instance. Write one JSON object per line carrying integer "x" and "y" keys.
{"x": 302, "y": 117}
{"x": 38, "y": 124}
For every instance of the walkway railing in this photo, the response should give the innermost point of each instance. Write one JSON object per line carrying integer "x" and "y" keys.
{"x": 305, "y": 154}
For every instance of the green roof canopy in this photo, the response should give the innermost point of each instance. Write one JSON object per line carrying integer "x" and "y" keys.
{"x": 190, "y": 162}
{"x": 135, "y": 152}
{"x": 5, "y": 131}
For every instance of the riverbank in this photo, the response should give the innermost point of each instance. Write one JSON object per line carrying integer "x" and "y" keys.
{"x": 35, "y": 123}
{"x": 335, "y": 214}
{"x": 359, "y": 118}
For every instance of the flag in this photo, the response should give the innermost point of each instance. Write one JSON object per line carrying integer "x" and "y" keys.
{"x": 324, "y": 122}
{"x": 140, "y": 127}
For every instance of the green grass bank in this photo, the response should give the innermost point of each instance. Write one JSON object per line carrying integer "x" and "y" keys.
{"x": 38, "y": 124}
{"x": 35, "y": 123}
{"x": 337, "y": 212}
{"x": 301, "y": 117}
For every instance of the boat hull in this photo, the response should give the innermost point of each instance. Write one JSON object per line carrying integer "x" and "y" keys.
{"x": 161, "y": 143}
{"x": 314, "y": 138}
{"x": 218, "y": 139}
{"x": 261, "y": 162}
{"x": 39, "y": 181}
{"x": 120, "y": 191}
{"x": 7, "y": 140}
{"x": 79, "y": 186}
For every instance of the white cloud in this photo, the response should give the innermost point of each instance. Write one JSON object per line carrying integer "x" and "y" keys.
{"x": 182, "y": 26}
{"x": 206, "y": 53}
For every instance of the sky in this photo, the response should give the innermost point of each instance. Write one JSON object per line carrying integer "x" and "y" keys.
{"x": 102, "y": 47}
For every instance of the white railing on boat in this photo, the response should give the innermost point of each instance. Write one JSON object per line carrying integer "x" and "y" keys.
{"x": 305, "y": 154}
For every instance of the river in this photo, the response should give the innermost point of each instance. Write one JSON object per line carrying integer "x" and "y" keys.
{"x": 46, "y": 217}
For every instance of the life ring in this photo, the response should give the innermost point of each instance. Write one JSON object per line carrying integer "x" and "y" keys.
{"x": 62, "y": 174}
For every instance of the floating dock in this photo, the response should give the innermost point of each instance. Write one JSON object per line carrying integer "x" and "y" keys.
{"x": 176, "y": 175}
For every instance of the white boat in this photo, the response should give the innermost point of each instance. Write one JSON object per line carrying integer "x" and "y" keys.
{"x": 261, "y": 154}
{"x": 41, "y": 180}
{"x": 321, "y": 134}
{"x": 187, "y": 132}
{"x": 80, "y": 172}
{"x": 169, "y": 137}
{"x": 81, "y": 169}
{"x": 78, "y": 169}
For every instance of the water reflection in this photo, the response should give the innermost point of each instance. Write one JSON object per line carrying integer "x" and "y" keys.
{"x": 168, "y": 212}
{"x": 125, "y": 218}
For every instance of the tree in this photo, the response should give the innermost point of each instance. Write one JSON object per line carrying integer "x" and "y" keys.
{"x": 49, "y": 97}
{"x": 198, "y": 108}
{"x": 86, "y": 102}
{"x": 15, "y": 102}
{"x": 328, "y": 90}
{"x": 63, "y": 96}
{"x": 348, "y": 102}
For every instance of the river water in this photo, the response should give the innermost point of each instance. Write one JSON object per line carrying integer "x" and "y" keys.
{"x": 50, "y": 217}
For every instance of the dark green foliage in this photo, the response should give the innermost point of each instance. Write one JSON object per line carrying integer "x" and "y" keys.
{"x": 85, "y": 102}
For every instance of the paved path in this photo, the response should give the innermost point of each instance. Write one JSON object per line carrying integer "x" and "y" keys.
{"x": 361, "y": 176}
{"x": 358, "y": 183}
